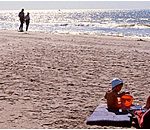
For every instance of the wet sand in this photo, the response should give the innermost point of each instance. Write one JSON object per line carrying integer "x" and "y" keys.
{"x": 57, "y": 80}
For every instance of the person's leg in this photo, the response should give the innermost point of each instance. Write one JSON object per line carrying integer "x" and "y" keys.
{"x": 21, "y": 25}
{"x": 27, "y": 25}
{"x": 138, "y": 116}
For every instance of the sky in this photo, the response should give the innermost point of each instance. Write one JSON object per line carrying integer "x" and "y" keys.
{"x": 39, "y": 5}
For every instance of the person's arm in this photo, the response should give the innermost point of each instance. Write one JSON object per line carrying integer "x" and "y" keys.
{"x": 19, "y": 15}
{"x": 105, "y": 96}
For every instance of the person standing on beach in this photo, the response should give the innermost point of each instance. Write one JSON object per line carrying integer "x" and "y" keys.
{"x": 27, "y": 19}
{"x": 21, "y": 17}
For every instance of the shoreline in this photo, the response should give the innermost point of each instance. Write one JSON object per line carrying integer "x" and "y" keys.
{"x": 57, "y": 80}
{"x": 114, "y": 23}
{"x": 144, "y": 39}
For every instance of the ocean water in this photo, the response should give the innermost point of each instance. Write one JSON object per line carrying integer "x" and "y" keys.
{"x": 126, "y": 23}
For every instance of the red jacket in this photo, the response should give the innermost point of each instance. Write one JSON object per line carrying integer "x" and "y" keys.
{"x": 143, "y": 118}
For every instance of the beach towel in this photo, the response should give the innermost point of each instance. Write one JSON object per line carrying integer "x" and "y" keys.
{"x": 104, "y": 117}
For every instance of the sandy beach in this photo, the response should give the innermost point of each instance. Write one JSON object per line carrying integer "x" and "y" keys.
{"x": 57, "y": 80}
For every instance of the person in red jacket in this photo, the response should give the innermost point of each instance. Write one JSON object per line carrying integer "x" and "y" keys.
{"x": 143, "y": 117}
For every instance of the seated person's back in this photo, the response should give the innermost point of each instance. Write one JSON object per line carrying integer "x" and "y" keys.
{"x": 112, "y": 100}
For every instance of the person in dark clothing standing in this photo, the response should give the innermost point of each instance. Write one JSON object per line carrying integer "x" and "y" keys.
{"x": 27, "y": 19}
{"x": 21, "y": 17}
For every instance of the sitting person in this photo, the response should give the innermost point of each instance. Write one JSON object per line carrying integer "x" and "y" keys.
{"x": 113, "y": 95}
{"x": 143, "y": 117}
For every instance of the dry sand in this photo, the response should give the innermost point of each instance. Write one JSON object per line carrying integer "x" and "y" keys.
{"x": 56, "y": 81}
